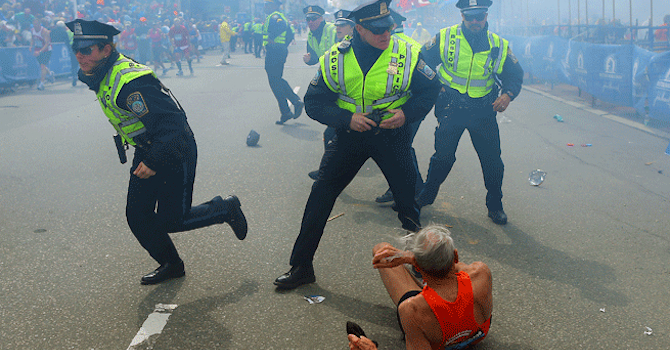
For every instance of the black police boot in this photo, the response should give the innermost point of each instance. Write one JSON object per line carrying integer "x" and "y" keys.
{"x": 284, "y": 118}
{"x": 313, "y": 175}
{"x": 425, "y": 198}
{"x": 295, "y": 277}
{"x": 165, "y": 272}
{"x": 236, "y": 218}
{"x": 297, "y": 109}
{"x": 498, "y": 216}
{"x": 386, "y": 197}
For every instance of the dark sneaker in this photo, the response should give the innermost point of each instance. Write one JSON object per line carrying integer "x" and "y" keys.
{"x": 283, "y": 119}
{"x": 386, "y": 197}
{"x": 297, "y": 276}
{"x": 236, "y": 218}
{"x": 165, "y": 272}
{"x": 297, "y": 109}
{"x": 498, "y": 216}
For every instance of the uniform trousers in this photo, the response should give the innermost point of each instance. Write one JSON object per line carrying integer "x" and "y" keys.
{"x": 483, "y": 128}
{"x": 343, "y": 158}
{"x": 275, "y": 58}
{"x": 258, "y": 44}
{"x": 161, "y": 204}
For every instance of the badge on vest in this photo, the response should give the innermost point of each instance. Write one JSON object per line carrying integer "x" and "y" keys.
{"x": 393, "y": 68}
{"x": 136, "y": 104}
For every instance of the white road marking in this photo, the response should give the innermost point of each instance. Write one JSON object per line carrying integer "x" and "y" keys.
{"x": 152, "y": 327}
{"x": 295, "y": 91}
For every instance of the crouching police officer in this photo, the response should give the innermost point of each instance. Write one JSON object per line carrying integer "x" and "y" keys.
{"x": 369, "y": 88}
{"x": 472, "y": 59}
{"x": 146, "y": 116}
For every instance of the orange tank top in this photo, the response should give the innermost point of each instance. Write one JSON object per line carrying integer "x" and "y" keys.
{"x": 457, "y": 319}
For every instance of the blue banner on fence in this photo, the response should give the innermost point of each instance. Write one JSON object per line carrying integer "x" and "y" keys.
{"x": 209, "y": 40}
{"x": 60, "y": 59}
{"x": 18, "y": 65}
{"x": 659, "y": 93}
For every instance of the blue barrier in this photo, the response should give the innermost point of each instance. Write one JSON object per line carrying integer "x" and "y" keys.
{"x": 622, "y": 74}
{"x": 209, "y": 40}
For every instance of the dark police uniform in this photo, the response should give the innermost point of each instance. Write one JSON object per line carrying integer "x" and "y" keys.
{"x": 394, "y": 78}
{"x": 322, "y": 38}
{"x": 146, "y": 116}
{"x": 470, "y": 63}
{"x": 277, "y": 35}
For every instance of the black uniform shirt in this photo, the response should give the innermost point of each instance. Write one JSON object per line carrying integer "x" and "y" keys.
{"x": 167, "y": 132}
{"x": 276, "y": 27}
{"x": 510, "y": 79}
{"x": 321, "y": 102}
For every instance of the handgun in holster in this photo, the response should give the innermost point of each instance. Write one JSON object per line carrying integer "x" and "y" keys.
{"x": 377, "y": 115}
{"x": 121, "y": 148}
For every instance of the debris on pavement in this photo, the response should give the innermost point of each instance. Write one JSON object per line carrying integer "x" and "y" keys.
{"x": 570, "y": 144}
{"x": 648, "y": 331}
{"x": 536, "y": 177}
{"x": 335, "y": 217}
{"x": 558, "y": 118}
{"x": 602, "y": 309}
{"x": 314, "y": 299}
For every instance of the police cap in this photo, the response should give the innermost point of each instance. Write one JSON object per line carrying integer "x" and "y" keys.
{"x": 373, "y": 14}
{"x": 88, "y": 33}
{"x": 472, "y": 7}
{"x": 253, "y": 138}
{"x": 313, "y": 12}
{"x": 341, "y": 18}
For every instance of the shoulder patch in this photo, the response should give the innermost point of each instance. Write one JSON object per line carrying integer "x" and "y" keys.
{"x": 136, "y": 104}
{"x": 317, "y": 77}
{"x": 511, "y": 56}
{"x": 425, "y": 69}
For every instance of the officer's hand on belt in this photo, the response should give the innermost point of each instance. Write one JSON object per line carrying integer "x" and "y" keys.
{"x": 396, "y": 121}
{"x": 501, "y": 103}
{"x": 307, "y": 57}
{"x": 143, "y": 171}
{"x": 361, "y": 123}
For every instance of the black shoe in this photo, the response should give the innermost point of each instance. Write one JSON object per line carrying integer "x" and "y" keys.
{"x": 498, "y": 216}
{"x": 236, "y": 218}
{"x": 165, "y": 272}
{"x": 386, "y": 197}
{"x": 297, "y": 276}
{"x": 283, "y": 119}
{"x": 297, "y": 109}
{"x": 313, "y": 175}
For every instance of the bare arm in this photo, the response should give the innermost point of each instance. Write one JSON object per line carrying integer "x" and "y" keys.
{"x": 415, "y": 337}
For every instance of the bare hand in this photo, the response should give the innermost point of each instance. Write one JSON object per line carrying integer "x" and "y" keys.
{"x": 362, "y": 343}
{"x": 396, "y": 121}
{"x": 501, "y": 103}
{"x": 390, "y": 256}
{"x": 143, "y": 171}
{"x": 359, "y": 122}
{"x": 307, "y": 57}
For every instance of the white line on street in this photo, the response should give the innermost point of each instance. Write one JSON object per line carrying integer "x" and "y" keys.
{"x": 152, "y": 327}
{"x": 295, "y": 91}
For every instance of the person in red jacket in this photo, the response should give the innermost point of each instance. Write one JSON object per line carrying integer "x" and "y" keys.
{"x": 451, "y": 309}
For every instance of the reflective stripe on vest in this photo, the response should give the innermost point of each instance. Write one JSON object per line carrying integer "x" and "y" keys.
{"x": 467, "y": 72}
{"x": 328, "y": 39}
{"x": 279, "y": 39}
{"x": 385, "y": 86}
{"x": 124, "y": 70}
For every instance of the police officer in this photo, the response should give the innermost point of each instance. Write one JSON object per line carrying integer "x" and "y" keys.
{"x": 257, "y": 30}
{"x": 277, "y": 35}
{"x": 361, "y": 81}
{"x": 145, "y": 115}
{"x": 321, "y": 37}
{"x": 472, "y": 59}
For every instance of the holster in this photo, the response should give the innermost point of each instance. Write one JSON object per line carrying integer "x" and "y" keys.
{"x": 121, "y": 148}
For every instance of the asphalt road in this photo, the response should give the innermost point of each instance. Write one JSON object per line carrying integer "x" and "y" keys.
{"x": 582, "y": 264}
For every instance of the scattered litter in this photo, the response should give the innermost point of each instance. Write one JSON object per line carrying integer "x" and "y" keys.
{"x": 536, "y": 177}
{"x": 558, "y": 118}
{"x": 660, "y": 171}
{"x": 570, "y": 144}
{"x": 252, "y": 138}
{"x": 314, "y": 299}
{"x": 602, "y": 309}
{"x": 586, "y": 145}
{"x": 650, "y": 163}
{"x": 648, "y": 331}
{"x": 334, "y": 217}
{"x": 40, "y": 230}
{"x": 462, "y": 197}
{"x": 667, "y": 150}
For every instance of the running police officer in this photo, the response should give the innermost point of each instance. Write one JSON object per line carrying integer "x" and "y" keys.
{"x": 472, "y": 60}
{"x": 369, "y": 88}
{"x": 322, "y": 35}
{"x": 145, "y": 115}
{"x": 277, "y": 35}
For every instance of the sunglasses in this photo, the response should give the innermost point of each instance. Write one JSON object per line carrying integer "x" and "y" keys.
{"x": 479, "y": 17}
{"x": 379, "y": 31}
{"x": 312, "y": 19}
{"x": 84, "y": 50}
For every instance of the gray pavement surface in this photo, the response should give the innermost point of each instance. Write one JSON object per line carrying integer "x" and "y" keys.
{"x": 582, "y": 264}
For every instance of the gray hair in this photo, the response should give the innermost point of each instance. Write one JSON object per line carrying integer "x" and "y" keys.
{"x": 433, "y": 249}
